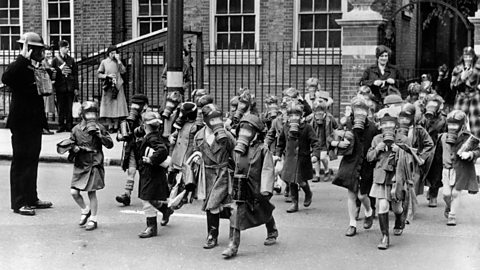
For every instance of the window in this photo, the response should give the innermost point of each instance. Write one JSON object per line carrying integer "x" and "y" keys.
{"x": 9, "y": 24}
{"x": 152, "y": 15}
{"x": 235, "y": 24}
{"x": 59, "y": 22}
{"x": 317, "y": 27}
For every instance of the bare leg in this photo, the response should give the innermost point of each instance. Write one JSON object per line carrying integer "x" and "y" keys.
{"x": 77, "y": 197}
{"x": 92, "y": 195}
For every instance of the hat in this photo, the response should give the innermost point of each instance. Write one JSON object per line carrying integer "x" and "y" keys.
{"x": 64, "y": 146}
{"x": 312, "y": 82}
{"x": 63, "y": 43}
{"x": 111, "y": 48}
{"x": 90, "y": 106}
{"x": 469, "y": 51}
{"x": 140, "y": 99}
{"x": 151, "y": 118}
{"x": 392, "y": 99}
{"x": 382, "y": 49}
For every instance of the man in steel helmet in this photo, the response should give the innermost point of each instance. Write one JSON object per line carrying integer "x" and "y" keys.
{"x": 26, "y": 120}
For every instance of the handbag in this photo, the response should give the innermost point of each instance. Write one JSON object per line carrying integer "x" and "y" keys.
{"x": 76, "y": 108}
{"x": 43, "y": 81}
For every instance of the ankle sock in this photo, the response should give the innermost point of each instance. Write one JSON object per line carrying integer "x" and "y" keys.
{"x": 368, "y": 213}
{"x": 93, "y": 218}
{"x": 85, "y": 210}
{"x": 353, "y": 223}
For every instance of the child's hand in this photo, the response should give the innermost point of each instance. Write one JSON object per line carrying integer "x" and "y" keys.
{"x": 466, "y": 155}
{"x": 395, "y": 147}
{"x": 275, "y": 158}
{"x": 380, "y": 146}
{"x": 343, "y": 144}
{"x": 76, "y": 149}
{"x": 146, "y": 160}
{"x": 314, "y": 159}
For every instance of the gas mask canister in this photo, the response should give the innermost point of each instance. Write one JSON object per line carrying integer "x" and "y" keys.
{"x": 91, "y": 120}
{"x": 431, "y": 109}
{"x": 242, "y": 107}
{"x": 294, "y": 124}
{"x": 173, "y": 99}
{"x": 246, "y": 134}
{"x": 406, "y": 118}
{"x": 272, "y": 112}
{"x": 453, "y": 128}
{"x": 188, "y": 112}
{"x": 360, "y": 113}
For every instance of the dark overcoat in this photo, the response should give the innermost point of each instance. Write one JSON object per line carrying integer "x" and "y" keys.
{"x": 434, "y": 163}
{"x": 130, "y": 145}
{"x": 257, "y": 210}
{"x": 297, "y": 166}
{"x": 153, "y": 178}
{"x": 372, "y": 73}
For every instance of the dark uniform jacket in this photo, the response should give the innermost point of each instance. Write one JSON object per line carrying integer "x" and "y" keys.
{"x": 65, "y": 84}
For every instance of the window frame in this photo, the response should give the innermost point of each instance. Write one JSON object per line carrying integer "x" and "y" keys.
{"x": 213, "y": 29}
{"x": 296, "y": 30}
{"x": 20, "y": 23}
{"x": 136, "y": 17}
{"x": 45, "y": 19}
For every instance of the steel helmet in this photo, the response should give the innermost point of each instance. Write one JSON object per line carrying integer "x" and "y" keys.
{"x": 33, "y": 39}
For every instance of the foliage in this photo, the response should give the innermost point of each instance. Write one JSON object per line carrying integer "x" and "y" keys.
{"x": 442, "y": 13}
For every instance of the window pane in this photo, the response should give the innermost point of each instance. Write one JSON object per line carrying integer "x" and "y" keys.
{"x": 321, "y": 21}
{"x": 165, "y": 9}
{"x": 334, "y": 39}
{"x": 222, "y": 24}
{"x": 321, "y": 5}
{"x": 67, "y": 38}
{"x": 65, "y": 10}
{"x": 235, "y": 6}
{"x": 13, "y": 3}
{"x": 305, "y": 5}
{"x": 54, "y": 27}
{"x": 15, "y": 29}
{"x": 143, "y": 10}
{"x": 54, "y": 41}
{"x": 156, "y": 10}
{"x": 52, "y": 11}
{"x": 248, "y": 6}
{"x": 5, "y": 30}
{"x": 3, "y": 16}
{"x": 4, "y": 4}
{"x": 66, "y": 27}
{"x": 14, "y": 16}
{"x": 222, "y": 7}
{"x": 157, "y": 25}
{"x": 332, "y": 23}
{"x": 144, "y": 28}
{"x": 320, "y": 40}
{"x": 222, "y": 41}
{"x": 248, "y": 41}
{"x": 14, "y": 42}
{"x": 306, "y": 39}
{"x": 236, "y": 23}
{"x": 249, "y": 23}
{"x": 4, "y": 43}
{"x": 155, "y": 2}
{"x": 306, "y": 22}
{"x": 335, "y": 5}
{"x": 236, "y": 41}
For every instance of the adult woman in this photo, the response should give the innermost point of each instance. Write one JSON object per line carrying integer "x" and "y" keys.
{"x": 49, "y": 101}
{"x": 114, "y": 104}
{"x": 382, "y": 78}
{"x": 463, "y": 70}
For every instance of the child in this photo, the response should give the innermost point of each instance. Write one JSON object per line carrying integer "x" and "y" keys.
{"x": 153, "y": 188}
{"x": 88, "y": 172}
{"x": 323, "y": 124}
{"x": 296, "y": 140}
{"x": 252, "y": 184}
{"x": 458, "y": 165}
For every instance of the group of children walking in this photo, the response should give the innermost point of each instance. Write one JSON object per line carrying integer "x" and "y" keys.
{"x": 230, "y": 160}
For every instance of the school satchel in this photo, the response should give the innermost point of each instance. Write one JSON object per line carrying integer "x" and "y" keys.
{"x": 340, "y": 135}
{"x": 43, "y": 81}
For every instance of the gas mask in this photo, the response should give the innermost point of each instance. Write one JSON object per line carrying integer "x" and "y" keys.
{"x": 360, "y": 113}
{"x": 387, "y": 126}
{"x": 246, "y": 134}
{"x": 242, "y": 108}
{"x": 173, "y": 99}
{"x": 214, "y": 121}
{"x": 453, "y": 128}
{"x": 432, "y": 109}
{"x": 319, "y": 117}
{"x": 404, "y": 123}
{"x": 188, "y": 112}
{"x": 91, "y": 120}
{"x": 38, "y": 53}
{"x": 294, "y": 124}
{"x": 201, "y": 102}
{"x": 135, "y": 112}
{"x": 272, "y": 112}
{"x": 311, "y": 92}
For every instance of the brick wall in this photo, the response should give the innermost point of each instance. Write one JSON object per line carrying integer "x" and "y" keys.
{"x": 92, "y": 22}
{"x": 32, "y": 16}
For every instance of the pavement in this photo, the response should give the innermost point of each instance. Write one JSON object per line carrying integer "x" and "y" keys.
{"x": 312, "y": 238}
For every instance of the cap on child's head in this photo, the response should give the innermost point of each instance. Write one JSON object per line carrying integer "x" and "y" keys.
{"x": 151, "y": 119}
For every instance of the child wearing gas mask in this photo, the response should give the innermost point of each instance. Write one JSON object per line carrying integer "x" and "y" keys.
{"x": 413, "y": 90}
{"x": 252, "y": 185}
{"x": 355, "y": 172}
{"x": 88, "y": 138}
{"x": 323, "y": 124}
{"x": 435, "y": 124}
{"x": 170, "y": 112}
{"x": 297, "y": 142}
{"x": 383, "y": 152}
{"x": 215, "y": 147}
{"x": 153, "y": 188}
{"x": 458, "y": 158}
{"x": 125, "y": 134}
{"x": 412, "y": 159}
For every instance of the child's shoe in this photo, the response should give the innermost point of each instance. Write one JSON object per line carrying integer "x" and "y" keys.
{"x": 84, "y": 218}
{"x": 91, "y": 225}
{"x": 451, "y": 220}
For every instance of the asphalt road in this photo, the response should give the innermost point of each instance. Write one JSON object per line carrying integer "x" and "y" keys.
{"x": 312, "y": 238}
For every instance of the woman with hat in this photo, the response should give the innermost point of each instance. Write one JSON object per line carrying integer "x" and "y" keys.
{"x": 463, "y": 70}
{"x": 114, "y": 104}
{"x": 382, "y": 78}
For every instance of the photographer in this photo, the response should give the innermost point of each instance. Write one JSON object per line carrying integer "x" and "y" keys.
{"x": 26, "y": 121}
{"x": 114, "y": 104}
